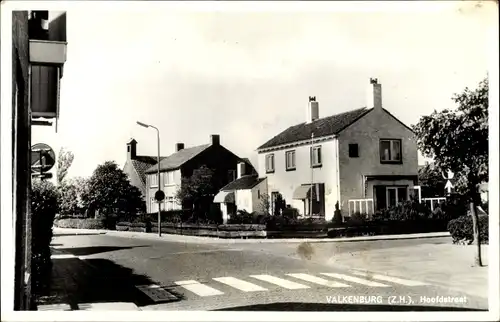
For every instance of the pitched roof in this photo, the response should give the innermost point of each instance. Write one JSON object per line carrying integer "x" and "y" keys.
{"x": 174, "y": 161}
{"x": 143, "y": 162}
{"x": 329, "y": 125}
{"x": 245, "y": 182}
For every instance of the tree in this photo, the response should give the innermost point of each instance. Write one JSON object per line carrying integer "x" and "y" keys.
{"x": 458, "y": 141}
{"x": 198, "y": 189}
{"x": 64, "y": 161}
{"x": 71, "y": 194}
{"x": 431, "y": 180}
{"x": 265, "y": 204}
{"x": 110, "y": 192}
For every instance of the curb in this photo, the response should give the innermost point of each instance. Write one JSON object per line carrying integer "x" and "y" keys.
{"x": 187, "y": 238}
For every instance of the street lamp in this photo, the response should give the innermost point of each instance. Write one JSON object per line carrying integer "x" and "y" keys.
{"x": 158, "y": 193}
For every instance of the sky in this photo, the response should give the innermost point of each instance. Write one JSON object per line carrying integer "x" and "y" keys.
{"x": 247, "y": 75}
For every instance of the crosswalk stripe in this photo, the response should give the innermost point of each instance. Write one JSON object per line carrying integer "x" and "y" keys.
{"x": 390, "y": 279}
{"x": 240, "y": 284}
{"x": 317, "y": 280}
{"x": 355, "y": 279}
{"x": 198, "y": 288}
{"x": 280, "y": 282}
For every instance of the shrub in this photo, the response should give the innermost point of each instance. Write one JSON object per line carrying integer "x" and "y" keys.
{"x": 242, "y": 217}
{"x": 357, "y": 219}
{"x": 461, "y": 229}
{"x": 44, "y": 206}
{"x": 88, "y": 223}
{"x": 290, "y": 213}
{"x": 337, "y": 215}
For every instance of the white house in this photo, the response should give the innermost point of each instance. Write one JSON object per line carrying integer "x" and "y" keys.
{"x": 247, "y": 192}
{"x": 364, "y": 159}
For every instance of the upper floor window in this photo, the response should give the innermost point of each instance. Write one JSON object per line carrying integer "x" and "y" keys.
{"x": 231, "y": 175}
{"x": 353, "y": 150}
{"x": 169, "y": 177}
{"x": 270, "y": 163}
{"x": 390, "y": 151}
{"x": 153, "y": 180}
{"x": 290, "y": 160}
{"x": 316, "y": 156}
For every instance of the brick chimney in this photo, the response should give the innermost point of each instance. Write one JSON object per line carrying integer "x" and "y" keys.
{"x": 179, "y": 146}
{"x": 312, "y": 112}
{"x": 131, "y": 149}
{"x": 374, "y": 94}
{"x": 240, "y": 169}
{"x": 215, "y": 139}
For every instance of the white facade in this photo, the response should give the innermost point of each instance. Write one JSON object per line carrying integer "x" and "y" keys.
{"x": 287, "y": 181}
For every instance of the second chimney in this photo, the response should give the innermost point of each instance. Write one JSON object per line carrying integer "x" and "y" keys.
{"x": 374, "y": 94}
{"x": 240, "y": 170}
{"x": 179, "y": 146}
{"x": 312, "y": 110}
{"x": 215, "y": 139}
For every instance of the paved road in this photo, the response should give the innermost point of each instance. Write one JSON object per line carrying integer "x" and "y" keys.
{"x": 278, "y": 276}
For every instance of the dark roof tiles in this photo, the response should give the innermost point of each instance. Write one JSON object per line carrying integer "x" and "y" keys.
{"x": 176, "y": 160}
{"x": 329, "y": 125}
{"x": 243, "y": 183}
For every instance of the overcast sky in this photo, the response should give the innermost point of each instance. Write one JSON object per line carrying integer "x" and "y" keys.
{"x": 248, "y": 75}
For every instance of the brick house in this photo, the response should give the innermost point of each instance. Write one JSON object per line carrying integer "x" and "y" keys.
{"x": 136, "y": 165}
{"x": 364, "y": 159}
{"x": 182, "y": 163}
{"x": 38, "y": 55}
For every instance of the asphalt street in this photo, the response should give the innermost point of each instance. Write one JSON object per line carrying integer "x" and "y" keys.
{"x": 161, "y": 275}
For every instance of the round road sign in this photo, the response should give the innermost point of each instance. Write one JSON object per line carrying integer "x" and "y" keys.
{"x": 159, "y": 195}
{"x": 43, "y": 157}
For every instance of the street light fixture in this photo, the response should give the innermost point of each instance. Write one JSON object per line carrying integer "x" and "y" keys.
{"x": 158, "y": 137}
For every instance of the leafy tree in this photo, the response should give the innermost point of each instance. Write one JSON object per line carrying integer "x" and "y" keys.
{"x": 198, "y": 190}
{"x": 265, "y": 204}
{"x": 64, "y": 162}
{"x": 458, "y": 141}
{"x": 71, "y": 196}
{"x": 431, "y": 180}
{"x": 110, "y": 192}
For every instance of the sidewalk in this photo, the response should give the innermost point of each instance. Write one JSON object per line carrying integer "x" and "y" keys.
{"x": 77, "y": 285}
{"x": 197, "y": 239}
{"x": 446, "y": 265}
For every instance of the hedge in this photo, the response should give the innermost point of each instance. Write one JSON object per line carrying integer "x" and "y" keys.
{"x": 461, "y": 229}
{"x": 88, "y": 223}
{"x": 44, "y": 206}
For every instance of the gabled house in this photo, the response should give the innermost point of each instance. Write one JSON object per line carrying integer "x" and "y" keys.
{"x": 248, "y": 192}
{"x": 182, "y": 163}
{"x": 364, "y": 159}
{"x": 136, "y": 165}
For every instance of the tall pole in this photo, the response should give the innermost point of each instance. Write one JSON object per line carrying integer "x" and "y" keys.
{"x": 312, "y": 175}
{"x": 159, "y": 203}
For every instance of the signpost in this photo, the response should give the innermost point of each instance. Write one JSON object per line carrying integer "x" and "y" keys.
{"x": 448, "y": 177}
{"x": 43, "y": 159}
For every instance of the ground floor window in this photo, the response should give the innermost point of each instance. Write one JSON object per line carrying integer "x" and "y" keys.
{"x": 389, "y": 196}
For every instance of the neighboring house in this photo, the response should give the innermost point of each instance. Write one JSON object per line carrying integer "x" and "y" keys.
{"x": 248, "y": 192}
{"x": 365, "y": 159}
{"x": 136, "y": 165}
{"x": 182, "y": 163}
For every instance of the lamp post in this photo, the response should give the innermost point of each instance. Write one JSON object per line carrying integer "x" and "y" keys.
{"x": 158, "y": 139}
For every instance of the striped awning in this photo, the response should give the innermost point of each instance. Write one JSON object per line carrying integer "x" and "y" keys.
{"x": 302, "y": 192}
{"x": 224, "y": 197}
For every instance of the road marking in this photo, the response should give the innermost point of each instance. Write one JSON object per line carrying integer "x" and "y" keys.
{"x": 317, "y": 280}
{"x": 205, "y": 251}
{"x": 240, "y": 284}
{"x": 280, "y": 282}
{"x": 156, "y": 293}
{"x": 198, "y": 288}
{"x": 54, "y": 307}
{"x": 390, "y": 279}
{"x": 62, "y": 256}
{"x": 355, "y": 279}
